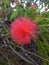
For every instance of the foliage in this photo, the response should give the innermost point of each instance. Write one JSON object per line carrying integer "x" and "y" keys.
{"x": 43, "y": 20}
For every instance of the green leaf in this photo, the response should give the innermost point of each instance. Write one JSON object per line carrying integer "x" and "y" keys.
{"x": 46, "y": 43}
{"x": 13, "y": 15}
{"x": 5, "y": 31}
{"x": 42, "y": 51}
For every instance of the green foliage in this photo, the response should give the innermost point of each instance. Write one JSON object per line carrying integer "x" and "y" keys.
{"x": 13, "y": 15}
{"x": 43, "y": 20}
{"x": 23, "y": 12}
{"x": 45, "y": 15}
{"x": 43, "y": 48}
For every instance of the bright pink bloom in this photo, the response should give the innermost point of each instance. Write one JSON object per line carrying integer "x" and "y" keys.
{"x": 23, "y": 29}
{"x": 33, "y": 6}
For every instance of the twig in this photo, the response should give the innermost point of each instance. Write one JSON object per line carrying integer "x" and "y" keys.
{"x": 20, "y": 55}
{"x": 33, "y": 53}
{"x": 4, "y": 42}
{"x": 6, "y": 58}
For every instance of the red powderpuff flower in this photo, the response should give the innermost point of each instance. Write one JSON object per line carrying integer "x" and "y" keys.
{"x": 33, "y": 6}
{"x": 22, "y": 30}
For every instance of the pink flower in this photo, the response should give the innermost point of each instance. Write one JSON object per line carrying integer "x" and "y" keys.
{"x": 23, "y": 29}
{"x": 33, "y": 6}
